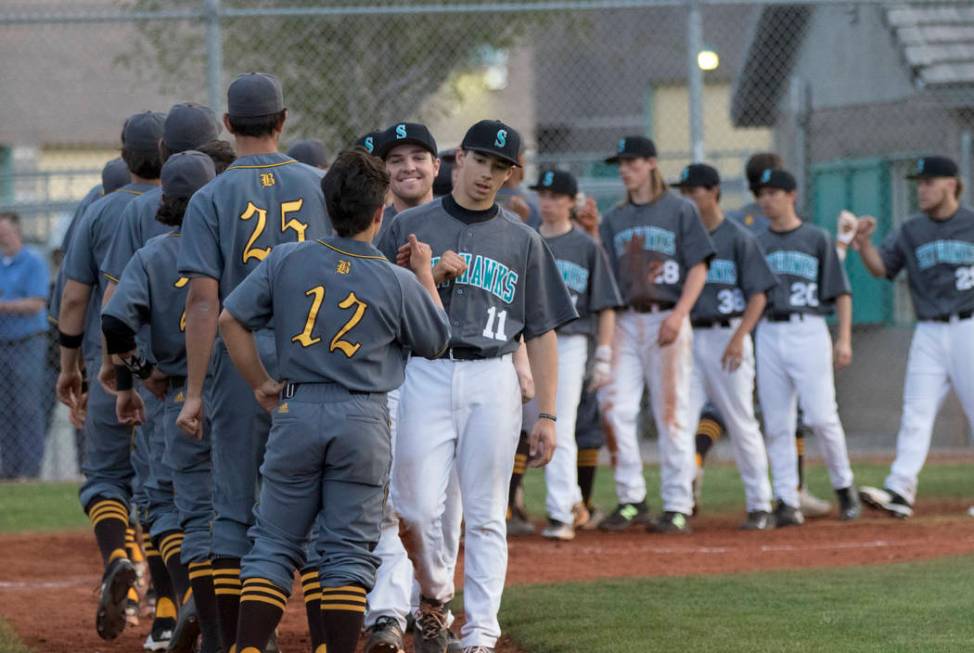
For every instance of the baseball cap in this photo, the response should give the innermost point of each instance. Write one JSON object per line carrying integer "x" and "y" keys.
{"x": 696, "y": 175}
{"x": 370, "y": 142}
{"x": 404, "y": 133}
{"x": 254, "y": 94}
{"x": 633, "y": 147}
{"x": 780, "y": 179}
{"x": 561, "y": 182}
{"x": 142, "y": 131}
{"x": 494, "y": 138}
{"x": 184, "y": 173}
{"x": 114, "y": 175}
{"x": 310, "y": 151}
{"x": 930, "y": 167}
{"x": 189, "y": 125}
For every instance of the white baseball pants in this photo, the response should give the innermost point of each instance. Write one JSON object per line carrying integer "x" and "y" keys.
{"x": 795, "y": 366}
{"x": 462, "y": 415}
{"x": 639, "y": 361}
{"x": 732, "y": 393}
{"x": 941, "y": 356}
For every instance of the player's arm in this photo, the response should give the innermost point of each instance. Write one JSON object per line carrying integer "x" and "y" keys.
{"x": 120, "y": 349}
{"x": 543, "y": 356}
{"x": 522, "y": 365}
{"x": 843, "y": 343}
{"x": 71, "y": 320}
{"x": 202, "y": 314}
{"x": 605, "y": 332}
{"x": 424, "y": 325}
{"x": 242, "y": 347}
{"x": 692, "y": 287}
{"x": 868, "y": 252}
{"x": 734, "y": 352}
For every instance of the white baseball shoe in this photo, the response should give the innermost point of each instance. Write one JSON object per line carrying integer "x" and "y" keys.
{"x": 556, "y": 530}
{"x": 811, "y": 505}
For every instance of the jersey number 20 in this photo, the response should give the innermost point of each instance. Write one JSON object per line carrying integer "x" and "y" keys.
{"x": 252, "y": 211}
{"x": 307, "y": 338}
{"x": 804, "y": 294}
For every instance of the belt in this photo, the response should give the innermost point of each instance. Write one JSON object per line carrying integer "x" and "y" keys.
{"x": 652, "y": 307}
{"x": 710, "y": 324}
{"x": 963, "y": 315}
{"x": 464, "y": 354}
{"x": 290, "y": 388}
{"x": 784, "y": 317}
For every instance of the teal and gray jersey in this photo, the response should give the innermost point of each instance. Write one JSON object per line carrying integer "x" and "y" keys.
{"x": 585, "y": 270}
{"x": 752, "y": 217}
{"x": 259, "y": 202}
{"x": 810, "y": 275}
{"x": 652, "y": 246}
{"x": 150, "y": 291}
{"x": 341, "y": 313}
{"x": 89, "y": 244}
{"x": 938, "y": 256}
{"x": 512, "y": 286}
{"x": 737, "y": 272}
{"x": 136, "y": 227}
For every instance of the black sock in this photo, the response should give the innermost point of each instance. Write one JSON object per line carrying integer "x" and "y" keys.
{"x": 708, "y": 432}
{"x": 165, "y": 599}
{"x": 311, "y": 588}
{"x": 201, "y": 580}
{"x": 262, "y": 605}
{"x": 171, "y": 546}
{"x": 588, "y": 460}
{"x": 800, "y": 446}
{"x": 343, "y": 613}
{"x": 520, "y": 464}
{"x": 226, "y": 586}
{"x": 110, "y": 518}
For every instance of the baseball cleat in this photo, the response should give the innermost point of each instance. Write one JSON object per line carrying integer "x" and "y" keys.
{"x": 160, "y": 635}
{"x": 478, "y": 649}
{"x": 785, "y": 515}
{"x": 556, "y": 530}
{"x": 132, "y": 608}
{"x": 758, "y": 520}
{"x": 849, "y": 506}
{"x": 431, "y": 634}
{"x": 518, "y": 525}
{"x": 118, "y": 579}
{"x": 385, "y": 636}
{"x": 580, "y": 515}
{"x": 886, "y": 500}
{"x": 626, "y": 515}
{"x": 811, "y": 505}
{"x": 671, "y": 522}
{"x": 187, "y": 629}
{"x": 453, "y": 644}
{"x": 595, "y": 517}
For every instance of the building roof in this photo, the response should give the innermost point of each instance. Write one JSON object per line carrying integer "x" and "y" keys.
{"x": 937, "y": 42}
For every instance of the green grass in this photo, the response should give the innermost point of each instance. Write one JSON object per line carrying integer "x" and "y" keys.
{"x": 39, "y": 507}
{"x": 9, "y": 642}
{"x": 905, "y": 607}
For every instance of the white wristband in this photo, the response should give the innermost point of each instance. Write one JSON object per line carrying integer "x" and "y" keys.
{"x": 603, "y": 353}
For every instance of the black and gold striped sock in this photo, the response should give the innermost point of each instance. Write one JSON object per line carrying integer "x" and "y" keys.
{"x": 132, "y": 545}
{"x": 201, "y": 580}
{"x": 261, "y": 607}
{"x": 109, "y": 518}
{"x": 171, "y": 546}
{"x": 343, "y": 614}
{"x": 708, "y": 432}
{"x": 588, "y": 461}
{"x": 165, "y": 599}
{"x": 520, "y": 465}
{"x": 226, "y": 587}
{"x": 800, "y": 447}
{"x": 311, "y": 589}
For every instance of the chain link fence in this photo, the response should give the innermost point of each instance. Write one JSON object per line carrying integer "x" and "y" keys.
{"x": 849, "y": 93}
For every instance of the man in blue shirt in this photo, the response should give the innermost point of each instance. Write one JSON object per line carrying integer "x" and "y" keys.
{"x": 23, "y": 297}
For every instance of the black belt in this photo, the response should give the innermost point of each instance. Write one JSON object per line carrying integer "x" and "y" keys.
{"x": 784, "y": 317}
{"x": 963, "y": 315}
{"x": 176, "y": 382}
{"x": 652, "y": 307}
{"x": 710, "y": 324}
{"x": 290, "y": 388}
{"x": 464, "y": 354}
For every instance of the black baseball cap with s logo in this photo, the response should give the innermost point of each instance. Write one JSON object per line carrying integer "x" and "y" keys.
{"x": 494, "y": 138}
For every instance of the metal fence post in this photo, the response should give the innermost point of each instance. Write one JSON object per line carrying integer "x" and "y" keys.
{"x": 966, "y": 152}
{"x": 695, "y": 79}
{"x": 214, "y": 56}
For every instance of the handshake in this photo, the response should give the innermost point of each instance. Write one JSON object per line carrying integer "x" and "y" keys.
{"x": 852, "y": 231}
{"x": 418, "y": 256}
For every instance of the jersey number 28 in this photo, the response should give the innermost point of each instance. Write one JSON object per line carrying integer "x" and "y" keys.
{"x": 965, "y": 278}
{"x": 253, "y": 211}
{"x": 307, "y": 338}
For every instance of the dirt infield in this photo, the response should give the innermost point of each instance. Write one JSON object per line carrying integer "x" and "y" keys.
{"x": 48, "y": 582}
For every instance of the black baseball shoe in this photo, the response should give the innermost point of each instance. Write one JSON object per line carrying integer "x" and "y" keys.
{"x": 785, "y": 515}
{"x": 849, "y": 506}
{"x": 626, "y": 515}
{"x": 118, "y": 579}
{"x": 758, "y": 520}
{"x": 385, "y": 636}
{"x": 886, "y": 500}
{"x": 671, "y": 522}
{"x": 430, "y": 634}
{"x": 187, "y": 631}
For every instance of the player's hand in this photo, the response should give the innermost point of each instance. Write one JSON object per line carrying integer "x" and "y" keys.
{"x": 403, "y": 254}
{"x": 733, "y": 354}
{"x": 106, "y": 375}
{"x": 79, "y": 412}
{"x": 157, "y": 383}
{"x": 268, "y": 393}
{"x": 520, "y": 207}
{"x": 449, "y": 267}
{"x": 69, "y": 384}
{"x": 190, "y": 419}
{"x": 526, "y": 382}
{"x": 602, "y": 369}
{"x": 587, "y": 216}
{"x": 669, "y": 329}
{"x": 842, "y": 351}
{"x": 865, "y": 227}
{"x": 420, "y": 256}
{"x": 846, "y": 227}
{"x": 129, "y": 408}
{"x": 541, "y": 443}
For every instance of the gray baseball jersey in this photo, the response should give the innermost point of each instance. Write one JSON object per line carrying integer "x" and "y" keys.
{"x": 232, "y": 223}
{"x": 341, "y": 313}
{"x": 388, "y": 216}
{"x": 651, "y": 247}
{"x": 150, "y": 291}
{"x": 585, "y": 270}
{"x": 136, "y": 227}
{"x": 737, "y": 272}
{"x": 938, "y": 256}
{"x": 810, "y": 275}
{"x": 512, "y": 286}
{"x": 752, "y": 217}
{"x": 89, "y": 245}
{"x": 93, "y": 195}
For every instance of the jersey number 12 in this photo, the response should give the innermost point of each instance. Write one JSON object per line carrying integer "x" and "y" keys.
{"x": 307, "y": 338}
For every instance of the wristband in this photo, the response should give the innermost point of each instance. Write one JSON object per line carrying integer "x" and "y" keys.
{"x": 547, "y": 416}
{"x": 138, "y": 366}
{"x": 123, "y": 378}
{"x": 69, "y": 341}
{"x": 603, "y": 353}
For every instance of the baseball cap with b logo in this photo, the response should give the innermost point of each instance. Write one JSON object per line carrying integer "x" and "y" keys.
{"x": 561, "y": 182}
{"x": 406, "y": 133}
{"x": 494, "y": 138}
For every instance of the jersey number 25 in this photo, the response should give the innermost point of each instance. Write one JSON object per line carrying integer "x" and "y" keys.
{"x": 253, "y": 211}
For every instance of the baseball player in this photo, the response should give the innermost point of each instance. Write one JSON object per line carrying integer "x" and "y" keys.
{"x": 723, "y": 318}
{"x": 150, "y": 291}
{"x": 585, "y": 270}
{"x": 790, "y": 343}
{"x": 659, "y": 251}
{"x": 339, "y": 352}
{"x": 936, "y": 248}
{"x": 265, "y": 198}
{"x": 499, "y": 283}
{"x": 107, "y": 490}
{"x": 310, "y": 151}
